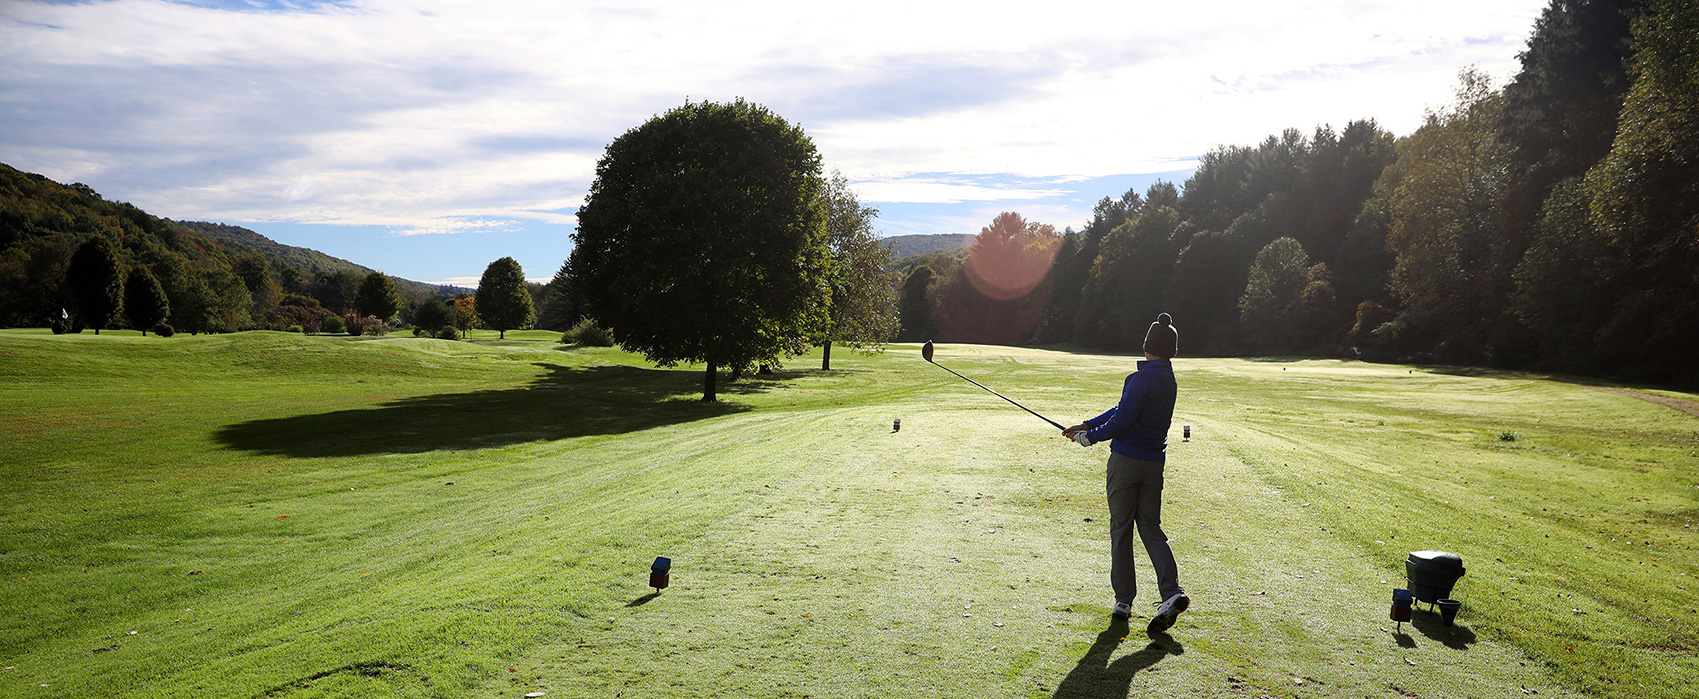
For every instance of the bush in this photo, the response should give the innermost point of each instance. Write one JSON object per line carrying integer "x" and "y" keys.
{"x": 588, "y": 334}
{"x": 295, "y": 329}
{"x": 375, "y": 326}
{"x": 334, "y": 324}
{"x": 164, "y": 330}
{"x": 448, "y": 333}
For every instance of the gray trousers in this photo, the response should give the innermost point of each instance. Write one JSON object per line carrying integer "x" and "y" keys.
{"x": 1134, "y": 488}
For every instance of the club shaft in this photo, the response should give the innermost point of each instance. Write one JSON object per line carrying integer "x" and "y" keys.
{"x": 999, "y": 395}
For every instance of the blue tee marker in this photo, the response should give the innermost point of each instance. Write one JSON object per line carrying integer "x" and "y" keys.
{"x": 660, "y": 572}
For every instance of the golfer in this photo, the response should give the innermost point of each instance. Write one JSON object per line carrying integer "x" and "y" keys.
{"x": 1138, "y": 432}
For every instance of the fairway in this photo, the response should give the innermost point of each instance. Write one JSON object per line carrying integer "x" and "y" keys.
{"x": 266, "y": 514}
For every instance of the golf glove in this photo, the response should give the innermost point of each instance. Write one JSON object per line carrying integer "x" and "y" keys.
{"x": 1082, "y": 439}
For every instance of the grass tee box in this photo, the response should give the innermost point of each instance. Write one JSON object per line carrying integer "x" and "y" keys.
{"x": 263, "y": 514}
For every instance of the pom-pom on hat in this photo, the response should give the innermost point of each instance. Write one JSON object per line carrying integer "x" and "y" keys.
{"x": 1162, "y": 339}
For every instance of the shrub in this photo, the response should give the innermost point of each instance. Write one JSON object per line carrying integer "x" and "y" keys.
{"x": 295, "y": 329}
{"x": 373, "y": 325}
{"x": 587, "y": 333}
{"x": 334, "y": 324}
{"x": 164, "y": 330}
{"x": 447, "y": 332}
{"x": 354, "y": 322}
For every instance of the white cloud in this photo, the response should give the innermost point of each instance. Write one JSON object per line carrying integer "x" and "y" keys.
{"x": 438, "y": 116}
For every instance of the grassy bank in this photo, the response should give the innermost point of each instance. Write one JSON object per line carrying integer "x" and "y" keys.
{"x": 274, "y": 514}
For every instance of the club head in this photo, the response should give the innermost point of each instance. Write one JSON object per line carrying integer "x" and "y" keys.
{"x": 926, "y": 351}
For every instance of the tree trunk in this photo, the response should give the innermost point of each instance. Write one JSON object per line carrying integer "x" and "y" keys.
{"x": 737, "y": 372}
{"x": 826, "y": 358}
{"x": 708, "y": 382}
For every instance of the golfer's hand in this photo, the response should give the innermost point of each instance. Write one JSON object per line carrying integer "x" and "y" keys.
{"x": 1082, "y": 439}
{"x": 1069, "y": 432}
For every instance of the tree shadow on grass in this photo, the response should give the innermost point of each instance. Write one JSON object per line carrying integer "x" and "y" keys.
{"x": 563, "y": 403}
{"x": 1096, "y": 677}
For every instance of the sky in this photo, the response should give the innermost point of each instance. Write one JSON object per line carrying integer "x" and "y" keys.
{"x": 427, "y": 138}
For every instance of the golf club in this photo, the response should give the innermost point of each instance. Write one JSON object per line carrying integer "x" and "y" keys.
{"x": 926, "y": 352}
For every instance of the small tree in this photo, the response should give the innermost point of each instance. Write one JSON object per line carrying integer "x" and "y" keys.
{"x": 502, "y": 299}
{"x": 378, "y": 296}
{"x": 466, "y": 314}
{"x": 864, "y": 297}
{"x": 145, "y": 304}
{"x": 96, "y": 282}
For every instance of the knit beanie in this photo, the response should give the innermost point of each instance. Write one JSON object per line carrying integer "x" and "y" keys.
{"x": 1162, "y": 339}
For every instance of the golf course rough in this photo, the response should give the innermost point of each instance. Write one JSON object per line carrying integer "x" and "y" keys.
{"x": 262, "y": 514}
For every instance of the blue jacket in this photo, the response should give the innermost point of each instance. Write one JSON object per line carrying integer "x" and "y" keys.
{"x": 1139, "y": 425}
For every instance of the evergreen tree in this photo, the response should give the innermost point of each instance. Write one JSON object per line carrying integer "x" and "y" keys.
{"x": 378, "y": 296}
{"x": 96, "y": 282}
{"x": 502, "y": 299}
{"x": 145, "y": 303}
{"x": 562, "y": 303}
{"x": 914, "y": 306}
{"x": 433, "y": 314}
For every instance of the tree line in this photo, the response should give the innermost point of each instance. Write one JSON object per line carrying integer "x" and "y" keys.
{"x": 1550, "y": 223}
{"x": 72, "y": 260}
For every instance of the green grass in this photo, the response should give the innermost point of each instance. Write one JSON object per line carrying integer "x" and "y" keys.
{"x": 271, "y": 514}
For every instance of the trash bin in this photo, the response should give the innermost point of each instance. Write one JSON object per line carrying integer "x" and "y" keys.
{"x": 1432, "y": 574}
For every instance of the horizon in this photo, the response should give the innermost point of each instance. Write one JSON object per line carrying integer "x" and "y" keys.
{"x": 426, "y": 139}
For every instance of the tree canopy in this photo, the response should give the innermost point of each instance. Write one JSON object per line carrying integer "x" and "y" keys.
{"x": 703, "y": 238}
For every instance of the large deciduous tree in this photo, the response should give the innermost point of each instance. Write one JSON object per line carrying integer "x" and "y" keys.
{"x": 1446, "y": 215}
{"x": 703, "y": 238}
{"x": 96, "y": 281}
{"x": 145, "y": 303}
{"x": 378, "y": 296}
{"x": 1645, "y": 201}
{"x": 503, "y": 300}
{"x": 864, "y": 296}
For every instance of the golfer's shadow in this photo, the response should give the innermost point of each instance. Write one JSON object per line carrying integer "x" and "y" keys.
{"x": 1096, "y": 676}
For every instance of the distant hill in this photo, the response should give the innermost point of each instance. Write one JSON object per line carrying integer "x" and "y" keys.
{"x": 205, "y": 269}
{"x": 907, "y": 245}
{"x": 243, "y": 240}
